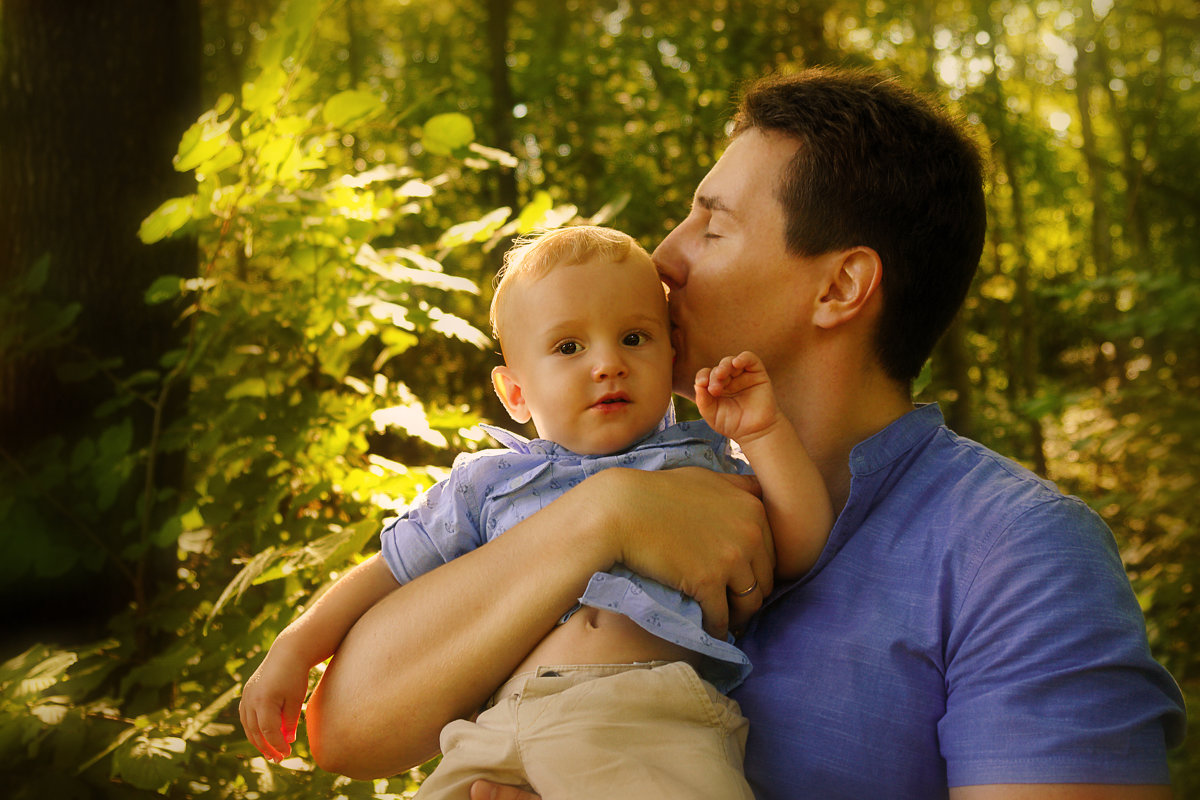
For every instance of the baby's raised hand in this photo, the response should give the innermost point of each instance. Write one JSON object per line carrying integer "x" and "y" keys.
{"x": 735, "y": 397}
{"x": 270, "y": 706}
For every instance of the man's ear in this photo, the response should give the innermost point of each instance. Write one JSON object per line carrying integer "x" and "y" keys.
{"x": 853, "y": 279}
{"x": 504, "y": 381}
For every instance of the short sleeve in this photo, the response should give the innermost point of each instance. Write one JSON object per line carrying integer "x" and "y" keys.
{"x": 1049, "y": 676}
{"x": 439, "y": 526}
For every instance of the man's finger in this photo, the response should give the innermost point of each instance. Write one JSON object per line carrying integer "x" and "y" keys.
{"x": 747, "y": 483}
{"x": 714, "y": 608}
{"x": 486, "y": 790}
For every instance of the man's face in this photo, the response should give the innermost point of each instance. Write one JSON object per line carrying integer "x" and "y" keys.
{"x": 733, "y": 286}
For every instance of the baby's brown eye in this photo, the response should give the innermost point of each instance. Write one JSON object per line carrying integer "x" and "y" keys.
{"x": 633, "y": 339}
{"x": 568, "y": 348}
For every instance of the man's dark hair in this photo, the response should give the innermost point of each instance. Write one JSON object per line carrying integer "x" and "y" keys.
{"x": 883, "y": 167}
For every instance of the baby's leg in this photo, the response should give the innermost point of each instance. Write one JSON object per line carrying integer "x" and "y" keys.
{"x": 485, "y": 749}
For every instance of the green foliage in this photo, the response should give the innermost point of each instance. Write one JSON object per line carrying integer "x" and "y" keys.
{"x": 350, "y": 211}
{"x": 316, "y": 275}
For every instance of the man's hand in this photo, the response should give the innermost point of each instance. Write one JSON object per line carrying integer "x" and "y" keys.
{"x": 713, "y": 547}
{"x": 486, "y": 790}
{"x": 270, "y": 705}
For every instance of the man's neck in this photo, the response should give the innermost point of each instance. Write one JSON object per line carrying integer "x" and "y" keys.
{"x": 835, "y": 412}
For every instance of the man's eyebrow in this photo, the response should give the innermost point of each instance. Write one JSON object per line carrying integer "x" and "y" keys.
{"x": 712, "y": 203}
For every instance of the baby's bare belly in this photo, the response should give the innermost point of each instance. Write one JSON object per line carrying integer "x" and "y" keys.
{"x": 595, "y": 636}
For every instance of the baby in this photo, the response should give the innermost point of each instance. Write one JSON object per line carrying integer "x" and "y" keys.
{"x": 627, "y": 693}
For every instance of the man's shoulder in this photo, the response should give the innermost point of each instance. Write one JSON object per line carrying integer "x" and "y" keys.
{"x": 982, "y": 480}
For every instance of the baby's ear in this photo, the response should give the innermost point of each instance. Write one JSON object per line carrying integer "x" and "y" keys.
{"x": 504, "y": 381}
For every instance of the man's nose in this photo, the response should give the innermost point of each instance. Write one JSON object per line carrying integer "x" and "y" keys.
{"x": 668, "y": 261}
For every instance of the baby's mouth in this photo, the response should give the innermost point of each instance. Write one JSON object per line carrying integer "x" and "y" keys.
{"x": 610, "y": 400}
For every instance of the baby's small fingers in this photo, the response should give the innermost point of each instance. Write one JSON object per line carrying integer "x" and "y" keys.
{"x": 748, "y": 361}
{"x": 260, "y": 741}
{"x": 723, "y": 371}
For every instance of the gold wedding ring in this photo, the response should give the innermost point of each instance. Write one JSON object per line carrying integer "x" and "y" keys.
{"x": 753, "y": 586}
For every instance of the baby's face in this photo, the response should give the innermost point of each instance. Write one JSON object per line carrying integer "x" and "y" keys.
{"x": 590, "y": 346}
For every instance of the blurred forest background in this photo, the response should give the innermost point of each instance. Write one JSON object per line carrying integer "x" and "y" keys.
{"x": 245, "y": 258}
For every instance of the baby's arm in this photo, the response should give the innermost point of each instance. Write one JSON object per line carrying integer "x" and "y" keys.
{"x": 736, "y": 400}
{"x": 271, "y": 699}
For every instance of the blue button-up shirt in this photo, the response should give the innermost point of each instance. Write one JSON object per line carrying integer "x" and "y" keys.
{"x": 966, "y": 624}
{"x": 490, "y": 491}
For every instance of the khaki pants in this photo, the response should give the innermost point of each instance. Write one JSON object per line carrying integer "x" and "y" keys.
{"x": 623, "y": 731}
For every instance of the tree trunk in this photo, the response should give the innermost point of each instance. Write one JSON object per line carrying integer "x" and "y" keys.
{"x": 498, "y": 13}
{"x": 93, "y": 100}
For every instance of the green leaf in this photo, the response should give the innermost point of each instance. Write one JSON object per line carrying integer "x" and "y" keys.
{"x": 534, "y": 211}
{"x": 476, "y": 230}
{"x": 351, "y": 106}
{"x": 200, "y": 721}
{"x": 264, "y": 90}
{"x": 251, "y": 387}
{"x": 83, "y": 454}
{"x": 445, "y": 133}
{"x": 35, "y": 279}
{"x": 274, "y": 154}
{"x": 226, "y": 157}
{"x": 114, "y": 442}
{"x": 241, "y": 581}
{"x": 202, "y": 141}
{"x": 45, "y": 674}
{"x": 428, "y": 272}
{"x": 150, "y": 763}
{"x": 164, "y": 288}
{"x": 923, "y": 380}
{"x": 167, "y": 219}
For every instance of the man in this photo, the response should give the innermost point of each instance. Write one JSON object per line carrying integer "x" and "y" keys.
{"x": 967, "y": 632}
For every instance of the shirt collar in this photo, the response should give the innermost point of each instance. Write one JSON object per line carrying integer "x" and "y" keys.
{"x": 882, "y": 449}
{"x": 871, "y": 462}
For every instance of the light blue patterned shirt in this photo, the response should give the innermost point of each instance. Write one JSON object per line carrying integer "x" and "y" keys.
{"x": 490, "y": 491}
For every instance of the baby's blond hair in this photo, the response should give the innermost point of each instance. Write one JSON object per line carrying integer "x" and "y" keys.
{"x": 534, "y": 255}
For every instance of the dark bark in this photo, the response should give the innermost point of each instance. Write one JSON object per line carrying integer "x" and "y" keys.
{"x": 93, "y": 100}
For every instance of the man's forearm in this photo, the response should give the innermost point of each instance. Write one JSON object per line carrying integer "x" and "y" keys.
{"x": 433, "y": 650}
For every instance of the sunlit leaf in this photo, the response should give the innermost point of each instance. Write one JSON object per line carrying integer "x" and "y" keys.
{"x": 150, "y": 763}
{"x": 458, "y": 328}
{"x": 45, "y": 674}
{"x": 501, "y": 157}
{"x": 242, "y": 581}
{"x": 384, "y": 263}
{"x": 200, "y": 721}
{"x": 51, "y": 712}
{"x": 167, "y": 219}
{"x": 475, "y": 231}
{"x": 351, "y": 106}
{"x": 250, "y": 387}
{"x": 445, "y": 133}
{"x": 534, "y": 212}
{"x": 201, "y": 142}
